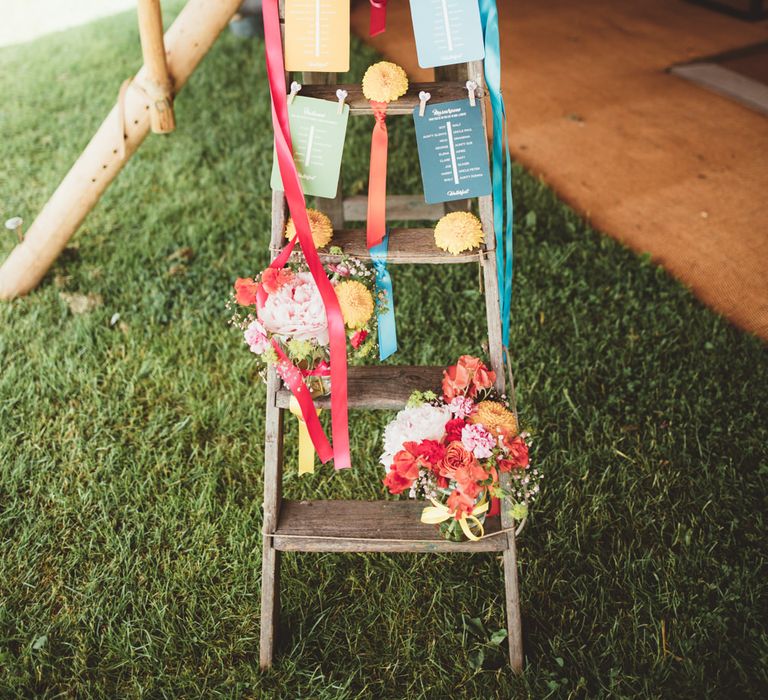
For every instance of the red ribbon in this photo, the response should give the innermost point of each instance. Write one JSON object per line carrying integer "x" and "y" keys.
{"x": 298, "y": 208}
{"x": 376, "y": 226}
{"x": 378, "y": 16}
{"x": 294, "y": 379}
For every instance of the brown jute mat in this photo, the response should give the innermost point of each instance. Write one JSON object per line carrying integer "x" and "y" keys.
{"x": 658, "y": 163}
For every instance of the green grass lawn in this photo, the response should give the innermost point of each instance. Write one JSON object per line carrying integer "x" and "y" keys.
{"x": 131, "y": 454}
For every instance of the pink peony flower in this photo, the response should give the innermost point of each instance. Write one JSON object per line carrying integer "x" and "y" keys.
{"x": 256, "y": 337}
{"x": 296, "y": 310}
{"x": 477, "y": 440}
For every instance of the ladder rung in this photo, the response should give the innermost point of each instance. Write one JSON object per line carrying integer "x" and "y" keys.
{"x": 440, "y": 92}
{"x": 385, "y": 387}
{"x": 369, "y": 526}
{"x": 400, "y": 207}
{"x": 406, "y": 245}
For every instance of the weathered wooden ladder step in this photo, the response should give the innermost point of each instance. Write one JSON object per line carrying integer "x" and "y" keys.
{"x": 369, "y": 526}
{"x": 405, "y": 246}
{"x": 383, "y": 387}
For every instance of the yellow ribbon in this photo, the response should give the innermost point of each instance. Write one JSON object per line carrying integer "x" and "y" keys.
{"x": 439, "y": 513}
{"x": 306, "y": 448}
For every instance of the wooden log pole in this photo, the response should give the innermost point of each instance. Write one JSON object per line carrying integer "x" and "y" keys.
{"x": 188, "y": 40}
{"x": 157, "y": 83}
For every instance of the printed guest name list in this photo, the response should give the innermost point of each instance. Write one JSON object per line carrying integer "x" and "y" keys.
{"x": 317, "y": 35}
{"x": 452, "y": 152}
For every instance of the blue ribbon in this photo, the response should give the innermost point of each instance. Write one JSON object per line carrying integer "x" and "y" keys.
{"x": 502, "y": 183}
{"x": 387, "y": 325}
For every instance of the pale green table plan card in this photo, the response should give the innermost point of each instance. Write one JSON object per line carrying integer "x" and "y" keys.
{"x": 447, "y": 32}
{"x": 318, "y": 132}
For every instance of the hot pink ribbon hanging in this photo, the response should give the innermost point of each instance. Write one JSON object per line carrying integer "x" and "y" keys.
{"x": 298, "y": 208}
{"x": 378, "y": 17}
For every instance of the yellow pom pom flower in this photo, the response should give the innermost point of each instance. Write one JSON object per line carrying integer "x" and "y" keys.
{"x": 356, "y": 303}
{"x": 458, "y": 231}
{"x": 494, "y": 417}
{"x": 384, "y": 82}
{"x": 319, "y": 224}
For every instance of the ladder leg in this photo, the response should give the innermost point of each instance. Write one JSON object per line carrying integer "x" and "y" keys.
{"x": 270, "y": 602}
{"x": 492, "y": 302}
{"x": 512, "y": 596}
{"x": 270, "y": 567}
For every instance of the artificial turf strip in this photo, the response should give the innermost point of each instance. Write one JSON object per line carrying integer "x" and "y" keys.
{"x": 130, "y": 478}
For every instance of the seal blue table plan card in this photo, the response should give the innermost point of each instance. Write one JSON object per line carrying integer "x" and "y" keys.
{"x": 452, "y": 151}
{"x": 447, "y": 32}
{"x": 318, "y": 131}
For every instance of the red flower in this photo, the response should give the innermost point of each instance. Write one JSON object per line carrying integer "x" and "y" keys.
{"x": 405, "y": 464}
{"x": 273, "y": 279}
{"x": 404, "y": 469}
{"x": 246, "y": 290}
{"x": 429, "y": 451}
{"x": 396, "y": 483}
{"x": 453, "y": 430}
{"x": 358, "y": 339}
{"x": 467, "y": 478}
{"x": 517, "y": 453}
{"x": 466, "y": 378}
{"x": 460, "y": 504}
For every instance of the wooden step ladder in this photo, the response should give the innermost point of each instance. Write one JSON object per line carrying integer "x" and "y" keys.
{"x": 381, "y": 526}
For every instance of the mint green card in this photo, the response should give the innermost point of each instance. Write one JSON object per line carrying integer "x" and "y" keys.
{"x": 318, "y": 132}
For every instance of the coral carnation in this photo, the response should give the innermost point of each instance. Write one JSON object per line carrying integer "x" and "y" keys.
{"x": 273, "y": 279}
{"x": 245, "y": 291}
{"x": 319, "y": 224}
{"x": 517, "y": 450}
{"x": 384, "y": 82}
{"x": 458, "y": 231}
{"x": 460, "y": 504}
{"x": 396, "y": 483}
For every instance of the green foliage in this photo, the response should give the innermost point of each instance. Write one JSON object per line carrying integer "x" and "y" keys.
{"x": 131, "y": 451}
{"x": 419, "y": 397}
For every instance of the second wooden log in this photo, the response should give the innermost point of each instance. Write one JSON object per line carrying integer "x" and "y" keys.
{"x": 157, "y": 81}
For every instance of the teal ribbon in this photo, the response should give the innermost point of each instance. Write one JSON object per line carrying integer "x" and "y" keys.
{"x": 502, "y": 182}
{"x": 386, "y": 320}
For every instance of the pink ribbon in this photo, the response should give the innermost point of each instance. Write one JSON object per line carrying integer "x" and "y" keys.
{"x": 298, "y": 208}
{"x": 378, "y": 17}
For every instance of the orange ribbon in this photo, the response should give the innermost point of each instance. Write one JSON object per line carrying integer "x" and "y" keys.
{"x": 376, "y": 226}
